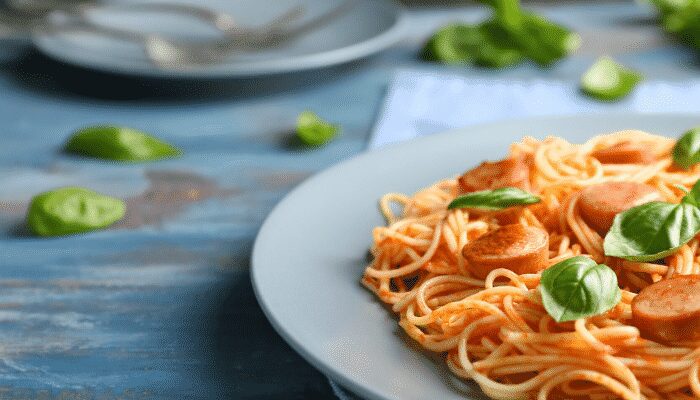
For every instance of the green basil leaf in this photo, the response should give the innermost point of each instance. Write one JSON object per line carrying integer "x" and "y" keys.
{"x": 692, "y": 196}
{"x": 608, "y": 80}
{"x": 670, "y": 6}
{"x": 578, "y": 287}
{"x": 543, "y": 41}
{"x": 72, "y": 210}
{"x": 652, "y": 231}
{"x": 508, "y": 12}
{"x": 486, "y": 45}
{"x": 686, "y": 152}
{"x": 120, "y": 144}
{"x": 506, "y": 39}
{"x": 496, "y": 50}
{"x": 681, "y": 18}
{"x": 493, "y": 200}
{"x": 314, "y": 131}
{"x": 454, "y": 44}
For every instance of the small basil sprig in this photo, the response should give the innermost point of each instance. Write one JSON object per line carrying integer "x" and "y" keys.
{"x": 496, "y": 49}
{"x": 509, "y": 37}
{"x": 485, "y": 45}
{"x": 537, "y": 38}
{"x": 680, "y": 18}
{"x": 541, "y": 40}
{"x": 578, "y": 287}
{"x": 686, "y": 152}
{"x": 314, "y": 131}
{"x": 496, "y": 199}
{"x": 71, "y": 210}
{"x": 119, "y": 143}
{"x": 607, "y": 80}
{"x": 654, "y": 230}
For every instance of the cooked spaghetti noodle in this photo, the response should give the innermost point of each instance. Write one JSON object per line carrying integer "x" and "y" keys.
{"x": 496, "y": 331}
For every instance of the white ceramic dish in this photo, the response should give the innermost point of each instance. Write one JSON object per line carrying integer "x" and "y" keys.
{"x": 310, "y": 253}
{"x": 367, "y": 27}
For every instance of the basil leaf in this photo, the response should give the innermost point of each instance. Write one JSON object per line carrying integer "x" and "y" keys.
{"x": 543, "y": 41}
{"x": 120, "y": 144}
{"x": 608, "y": 80}
{"x": 692, "y": 196}
{"x": 506, "y": 39}
{"x": 496, "y": 50}
{"x": 669, "y": 6}
{"x": 686, "y": 152}
{"x": 535, "y": 36}
{"x": 486, "y": 45}
{"x": 496, "y": 199}
{"x": 578, "y": 287}
{"x": 508, "y": 12}
{"x": 314, "y": 131}
{"x": 454, "y": 44}
{"x": 681, "y": 18}
{"x": 72, "y": 210}
{"x": 652, "y": 231}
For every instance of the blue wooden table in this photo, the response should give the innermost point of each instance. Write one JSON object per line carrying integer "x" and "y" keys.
{"x": 160, "y": 306}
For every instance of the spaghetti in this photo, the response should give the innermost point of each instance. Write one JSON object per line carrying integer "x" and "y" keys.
{"x": 495, "y": 331}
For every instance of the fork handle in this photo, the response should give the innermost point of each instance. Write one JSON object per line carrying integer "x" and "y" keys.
{"x": 220, "y": 20}
{"x": 74, "y": 23}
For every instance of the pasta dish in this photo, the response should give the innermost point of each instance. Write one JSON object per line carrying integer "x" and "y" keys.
{"x": 563, "y": 271}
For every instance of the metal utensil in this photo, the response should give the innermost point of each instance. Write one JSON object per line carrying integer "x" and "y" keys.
{"x": 77, "y": 19}
{"x": 170, "y": 54}
{"x": 79, "y": 16}
{"x": 221, "y": 20}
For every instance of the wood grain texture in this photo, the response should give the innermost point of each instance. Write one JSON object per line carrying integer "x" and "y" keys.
{"x": 160, "y": 306}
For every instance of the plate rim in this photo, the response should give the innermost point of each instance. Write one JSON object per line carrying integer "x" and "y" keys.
{"x": 356, "y": 51}
{"x": 326, "y": 368}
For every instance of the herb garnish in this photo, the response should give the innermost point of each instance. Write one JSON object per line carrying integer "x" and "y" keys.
{"x": 314, "y": 131}
{"x": 72, "y": 210}
{"x": 654, "y": 230}
{"x": 608, "y": 80}
{"x": 506, "y": 39}
{"x": 686, "y": 152}
{"x": 120, "y": 144}
{"x": 680, "y": 18}
{"x": 493, "y": 200}
{"x": 578, "y": 287}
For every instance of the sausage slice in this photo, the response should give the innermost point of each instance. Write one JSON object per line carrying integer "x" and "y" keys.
{"x": 625, "y": 152}
{"x": 521, "y": 249}
{"x": 669, "y": 310}
{"x": 514, "y": 172}
{"x": 600, "y": 203}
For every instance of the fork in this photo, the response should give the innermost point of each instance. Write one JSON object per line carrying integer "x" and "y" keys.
{"x": 77, "y": 19}
{"x": 169, "y": 54}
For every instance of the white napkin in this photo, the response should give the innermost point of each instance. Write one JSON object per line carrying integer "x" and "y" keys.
{"x": 419, "y": 103}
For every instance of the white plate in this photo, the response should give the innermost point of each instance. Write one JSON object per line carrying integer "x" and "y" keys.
{"x": 310, "y": 253}
{"x": 366, "y": 28}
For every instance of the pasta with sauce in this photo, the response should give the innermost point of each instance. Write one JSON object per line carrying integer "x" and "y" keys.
{"x": 466, "y": 282}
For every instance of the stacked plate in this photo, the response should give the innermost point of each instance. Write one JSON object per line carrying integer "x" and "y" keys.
{"x": 362, "y": 28}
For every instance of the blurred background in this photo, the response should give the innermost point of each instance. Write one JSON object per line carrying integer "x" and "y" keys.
{"x": 159, "y": 304}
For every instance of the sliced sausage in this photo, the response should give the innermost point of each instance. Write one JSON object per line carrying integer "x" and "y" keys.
{"x": 625, "y": 152}
{"x": 521, "y": 249}
{"x": 513, "y": 172}
{"x": 600, "y": 203}
{"x": 669, "y": 310}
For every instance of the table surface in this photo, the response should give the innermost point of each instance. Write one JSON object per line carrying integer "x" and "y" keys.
{"x": 160, "y": 305}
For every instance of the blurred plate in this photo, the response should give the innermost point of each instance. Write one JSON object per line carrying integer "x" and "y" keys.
{"x": 367, "y": 27}
{"x": 310, "y": 253}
